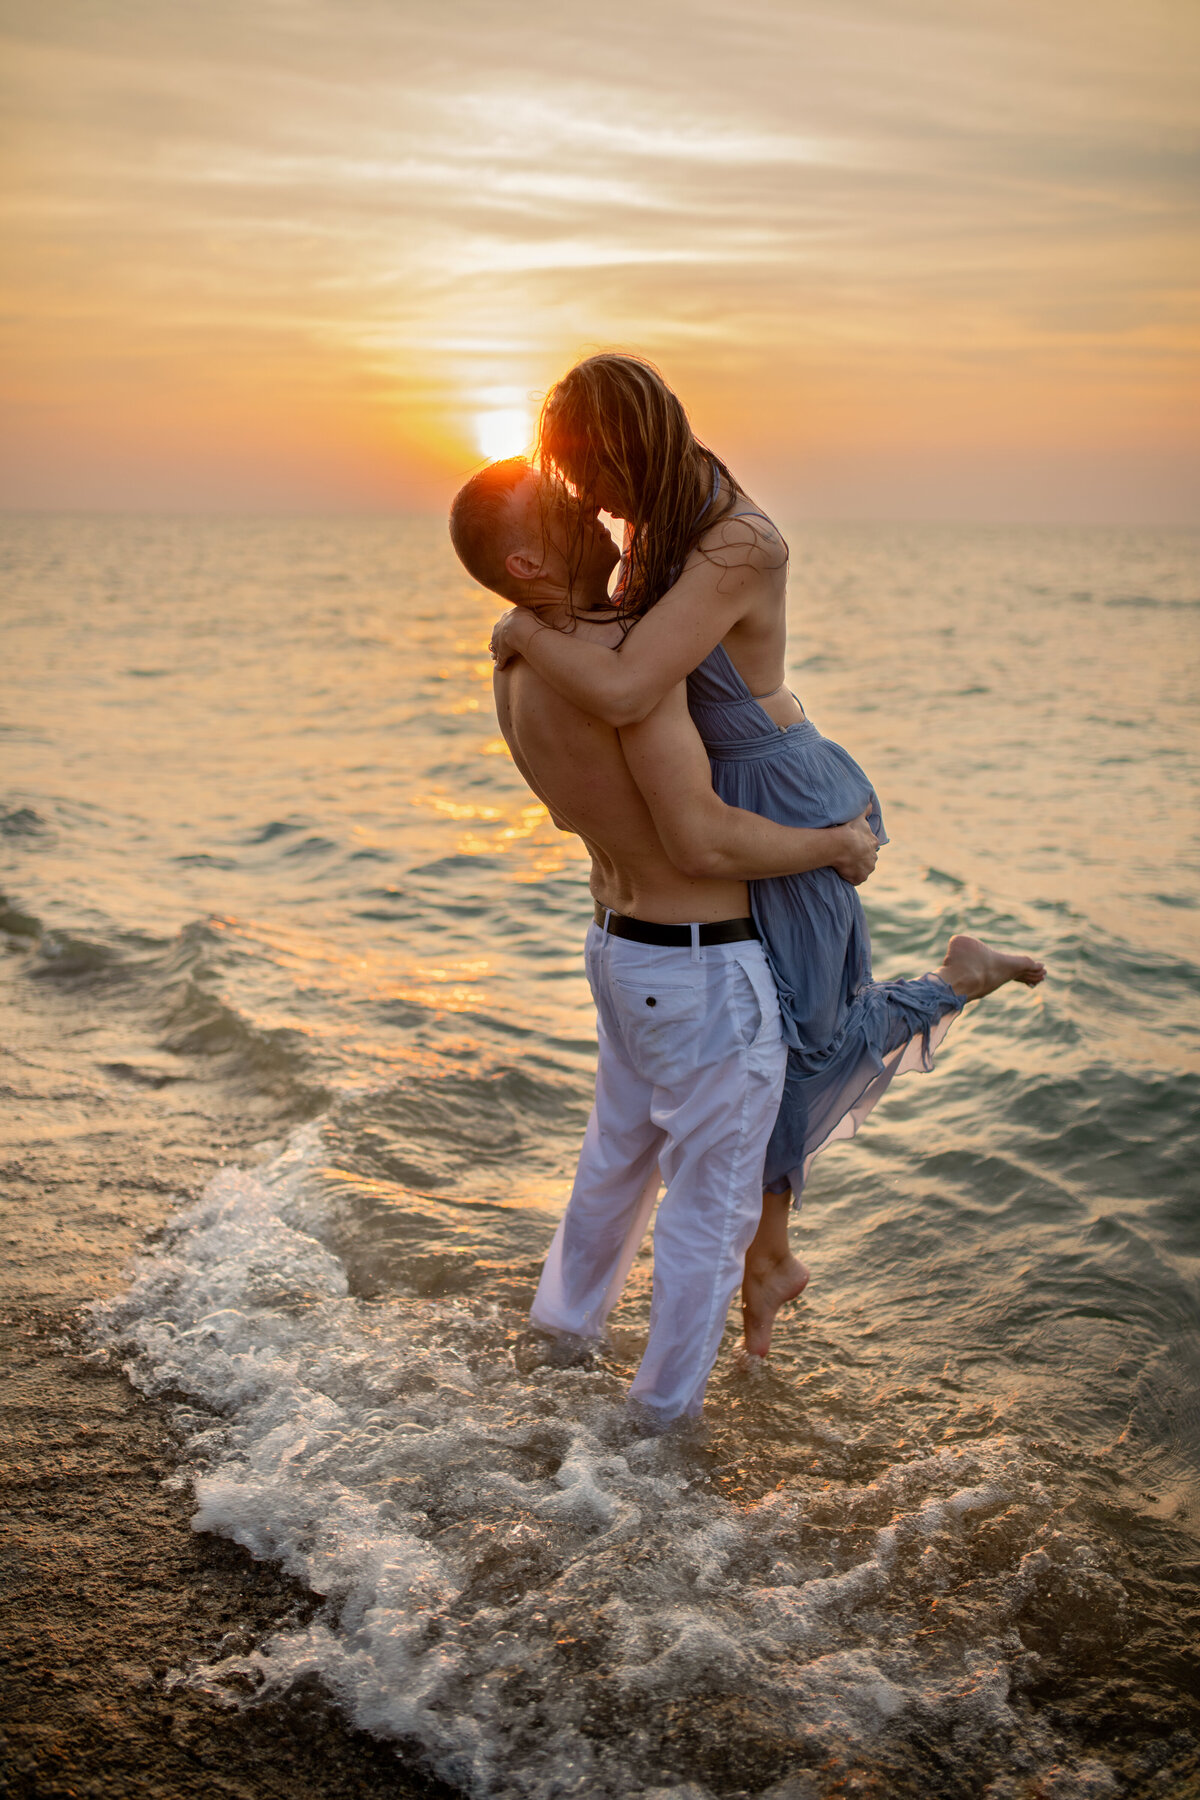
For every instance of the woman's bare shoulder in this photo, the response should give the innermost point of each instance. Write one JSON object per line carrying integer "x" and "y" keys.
{"x": 744, "y": 537}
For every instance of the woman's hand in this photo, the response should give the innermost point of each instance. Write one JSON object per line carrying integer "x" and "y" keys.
{"x": 859, "y": 852}
{"x": 506, "y": 638}
{"x": 510, "y": 634}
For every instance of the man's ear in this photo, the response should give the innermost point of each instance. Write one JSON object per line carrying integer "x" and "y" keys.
{"x": 521, "y": 566}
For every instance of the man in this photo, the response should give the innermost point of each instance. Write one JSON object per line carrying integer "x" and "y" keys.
{"x": 691, "y": 1058}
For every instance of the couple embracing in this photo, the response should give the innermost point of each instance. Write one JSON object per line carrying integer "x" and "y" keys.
{"x": 739, "y": 1028}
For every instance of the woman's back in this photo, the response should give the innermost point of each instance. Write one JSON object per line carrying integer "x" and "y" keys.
{"x": 756, "y": 643}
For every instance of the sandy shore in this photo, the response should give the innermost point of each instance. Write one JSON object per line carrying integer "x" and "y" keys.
{"x": 104, "y": 1588}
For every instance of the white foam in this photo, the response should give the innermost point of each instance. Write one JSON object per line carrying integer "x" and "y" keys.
{"x": 516, "y": 1584}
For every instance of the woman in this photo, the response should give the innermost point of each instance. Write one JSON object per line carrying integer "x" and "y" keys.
{"x": 703, "y": 592}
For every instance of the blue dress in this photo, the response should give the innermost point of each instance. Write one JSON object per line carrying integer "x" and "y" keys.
{"x": 847, "y": 1035}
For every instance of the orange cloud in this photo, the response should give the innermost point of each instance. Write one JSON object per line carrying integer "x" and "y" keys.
{"x": 297, "y": 258}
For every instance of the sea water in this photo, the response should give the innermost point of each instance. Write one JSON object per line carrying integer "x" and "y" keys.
{"x": 946, "y": 1541}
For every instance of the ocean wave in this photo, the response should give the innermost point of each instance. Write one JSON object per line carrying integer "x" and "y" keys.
{"x": 542, "y": 1602}
{"x": 70, "y": 956}
{"x": 197, "y": 1022}
{"x": 196, "y": 1018}
{"x": 176, "y": 984}
{"x": 22, "y": 822}
{"x": 16, "y": 922}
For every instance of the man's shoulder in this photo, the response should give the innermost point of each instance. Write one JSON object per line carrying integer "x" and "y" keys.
{"x": 608, "y": 632}
{"x": 531, "y": 698}
{"x": 528, "y": 689}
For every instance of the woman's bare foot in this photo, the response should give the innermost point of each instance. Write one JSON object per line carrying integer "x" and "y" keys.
{"x": 975, "y": 969}
{"x": 766, "y": 1287}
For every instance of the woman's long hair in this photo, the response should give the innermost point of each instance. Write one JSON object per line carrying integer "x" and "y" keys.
{"x": 613, "y": 427}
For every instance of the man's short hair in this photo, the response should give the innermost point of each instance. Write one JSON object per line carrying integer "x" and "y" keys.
{"x": 482, "y": 528}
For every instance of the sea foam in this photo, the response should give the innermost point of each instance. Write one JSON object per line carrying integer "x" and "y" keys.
{"x": 533, "y": 1600}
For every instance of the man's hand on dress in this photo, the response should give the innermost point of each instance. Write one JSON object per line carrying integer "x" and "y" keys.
{"x": 858, "y": 853}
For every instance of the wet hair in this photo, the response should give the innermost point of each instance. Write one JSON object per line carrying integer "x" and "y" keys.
{"x": 482, "y": 528}
{"x": 613, "y": 424}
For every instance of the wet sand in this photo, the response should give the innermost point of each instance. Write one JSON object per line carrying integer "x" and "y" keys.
{"x": 104, "y": 1588}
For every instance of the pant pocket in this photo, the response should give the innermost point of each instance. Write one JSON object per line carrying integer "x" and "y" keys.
{"x": 661, "y": 1026}
{"x": 754, "y": 1003}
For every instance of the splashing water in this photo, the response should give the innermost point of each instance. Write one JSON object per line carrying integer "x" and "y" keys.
{"x": 541, "y": 1601}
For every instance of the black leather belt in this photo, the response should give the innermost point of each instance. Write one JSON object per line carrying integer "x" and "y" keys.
{"x": 642, "y": 931}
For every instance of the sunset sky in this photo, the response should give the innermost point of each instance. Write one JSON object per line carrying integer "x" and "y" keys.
{"x": 901, "y": 258}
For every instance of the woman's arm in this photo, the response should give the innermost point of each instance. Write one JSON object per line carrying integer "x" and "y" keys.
{"x": 706, "y": 838}
{"x": 623, "y": 686}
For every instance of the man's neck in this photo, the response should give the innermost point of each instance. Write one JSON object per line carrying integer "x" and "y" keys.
{"x": 558, "y": 610}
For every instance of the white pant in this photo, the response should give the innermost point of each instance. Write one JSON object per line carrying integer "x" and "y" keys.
{"x": 688, "y": 1083}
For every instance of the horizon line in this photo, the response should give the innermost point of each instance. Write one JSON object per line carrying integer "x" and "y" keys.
{"x": 411, "y": 513}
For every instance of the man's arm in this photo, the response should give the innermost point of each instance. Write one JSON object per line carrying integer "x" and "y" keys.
{"x": 706, "y": 838}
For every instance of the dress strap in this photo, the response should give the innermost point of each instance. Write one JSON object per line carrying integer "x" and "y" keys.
{"x": 713, "y": 491}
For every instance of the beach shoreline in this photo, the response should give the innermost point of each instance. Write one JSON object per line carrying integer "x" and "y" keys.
{"x": 106, "y": 1589}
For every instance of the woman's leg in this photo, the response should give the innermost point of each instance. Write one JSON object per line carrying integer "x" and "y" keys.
{"x": 773, "y": 1276}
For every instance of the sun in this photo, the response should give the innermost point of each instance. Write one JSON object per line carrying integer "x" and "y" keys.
{"x": 503, "y": 431}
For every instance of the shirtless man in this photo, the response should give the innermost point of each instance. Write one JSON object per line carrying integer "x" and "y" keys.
{"x": 691, "y": 1057}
